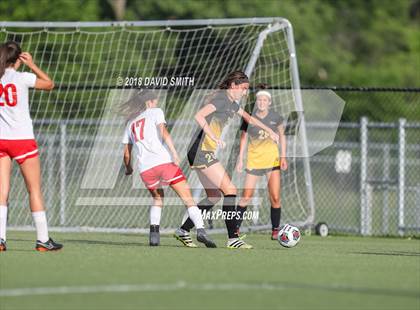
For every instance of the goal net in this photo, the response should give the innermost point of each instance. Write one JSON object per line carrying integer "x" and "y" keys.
{"x": 95, "y": 66}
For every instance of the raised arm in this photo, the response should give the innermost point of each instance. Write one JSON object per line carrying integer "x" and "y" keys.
{"x": 200, "y": 118}
{"x": 255, "y": 122}
{"x": 242, "y": 147}
{"x": 43, "y": 81}
{"x": 283, "y": 145}
{"x": 127, "y": 159}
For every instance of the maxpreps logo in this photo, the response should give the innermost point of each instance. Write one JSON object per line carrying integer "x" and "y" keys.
{"x": 229, "y": 215}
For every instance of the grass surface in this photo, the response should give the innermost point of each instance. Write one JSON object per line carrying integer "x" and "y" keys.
{"x": 110, "y": 271}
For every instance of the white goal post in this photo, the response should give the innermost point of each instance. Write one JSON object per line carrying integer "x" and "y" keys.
{"x": 92, "y": 62}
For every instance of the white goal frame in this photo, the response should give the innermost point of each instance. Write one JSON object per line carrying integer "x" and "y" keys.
{"x": 273, "y": 24}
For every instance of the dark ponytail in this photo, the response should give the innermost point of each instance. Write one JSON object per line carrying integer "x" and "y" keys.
{"x": 137, "y": 104}
{"x": 236, "y": 77}
{"x": 9, "y": 54}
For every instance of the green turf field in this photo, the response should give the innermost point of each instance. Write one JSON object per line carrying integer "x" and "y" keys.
{"x": 110, "y": 271}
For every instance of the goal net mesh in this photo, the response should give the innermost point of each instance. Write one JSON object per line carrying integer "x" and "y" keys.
{"x": 76, "y": 130}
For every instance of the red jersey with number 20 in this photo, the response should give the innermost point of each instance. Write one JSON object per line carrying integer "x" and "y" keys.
{"x": 145, "y": 135}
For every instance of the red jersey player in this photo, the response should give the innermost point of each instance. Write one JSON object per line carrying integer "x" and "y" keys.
{"x": 157, "y": 161}
{"x": 17, "y": 140}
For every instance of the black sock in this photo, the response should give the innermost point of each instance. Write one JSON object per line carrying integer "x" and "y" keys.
{"x": 154, "y": 228}
{"x": 229, "y": 206}
{"x": 204, "y": 204}
{"x": 240, "y": 210}
{"x": 275, "y": 217}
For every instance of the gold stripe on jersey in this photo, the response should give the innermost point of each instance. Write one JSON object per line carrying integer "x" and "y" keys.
{"x": 209, "y": 144}
{"x": 263, "y": 153}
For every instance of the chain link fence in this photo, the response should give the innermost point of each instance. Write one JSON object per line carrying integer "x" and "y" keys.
{"x": 368, "y": 181}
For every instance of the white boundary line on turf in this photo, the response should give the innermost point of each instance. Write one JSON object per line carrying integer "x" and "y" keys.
{"x": 125, "y": 288}
{"x": 150, "y": 287}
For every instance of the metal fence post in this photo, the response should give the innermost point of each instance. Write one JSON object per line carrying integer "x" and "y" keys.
{"x": 50, "y": 176}
{"x": 401, "y": 174}
{"x": 385, "y": 210}
{"x": 368, "y": 209}
{"x": 417, "y": 208}
{"x": 63, "y": 185}
{"x": 363, "y": 174}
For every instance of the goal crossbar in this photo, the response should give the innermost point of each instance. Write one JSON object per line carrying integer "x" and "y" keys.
{"x": 152, "y": 23}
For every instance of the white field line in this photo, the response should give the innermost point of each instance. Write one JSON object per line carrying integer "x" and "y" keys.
{"x": 124, "y": 288}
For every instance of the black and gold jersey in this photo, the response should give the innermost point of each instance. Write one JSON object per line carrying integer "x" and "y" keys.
{"x": 263, "y": 152}
{"x": 225, "y": 109}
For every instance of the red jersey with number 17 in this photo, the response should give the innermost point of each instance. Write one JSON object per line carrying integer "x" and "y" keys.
{"x": 15, "y": 120}
{"x": 144, "y": 134}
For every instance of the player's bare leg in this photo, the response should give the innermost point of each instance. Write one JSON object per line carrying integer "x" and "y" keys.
{"x": 217, "y": 174}
{"x": 273, "y": 178}
{"x": 184, "y": 192}
{"x": 31, "y": 171}
{"x": 213, "y": 193}
{"x": 5, "y": 172}
{"x": 155, "y": 214}
{"x": 213, "y": 196}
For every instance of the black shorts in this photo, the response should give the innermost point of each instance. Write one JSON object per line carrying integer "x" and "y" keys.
{"x": 260, "y": 172}
{"x": 201, "y": 159}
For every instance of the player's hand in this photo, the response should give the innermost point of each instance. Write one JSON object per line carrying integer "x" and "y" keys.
{"x": 239, "y": 166}
{"x": 283, "y": 164}
{"x": 275, "y": 137}
{"x": 26, "y": 58}
{"x": 128, "y": 170}
{"x": 220, "y": 143}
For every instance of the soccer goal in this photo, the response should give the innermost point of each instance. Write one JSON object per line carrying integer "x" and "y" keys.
{"x": 95, "y": 63}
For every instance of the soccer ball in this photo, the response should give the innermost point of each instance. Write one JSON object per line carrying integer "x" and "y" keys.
{"x": 289, "y": 236}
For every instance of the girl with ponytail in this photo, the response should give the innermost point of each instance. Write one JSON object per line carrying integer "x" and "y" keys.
{"x": 212, "y": 118}
{"x": 17, "y": 141}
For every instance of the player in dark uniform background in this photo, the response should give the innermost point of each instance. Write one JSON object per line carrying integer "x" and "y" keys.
{"x": 263, "y": 157}
{"x": 212, "y": 117}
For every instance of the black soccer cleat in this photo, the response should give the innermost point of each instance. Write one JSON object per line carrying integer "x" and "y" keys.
{"x": 50, "y": 245}
{"x": 203, "y": 238}
{"x": 154, "y": 236}
{"x": 2, "y": 245}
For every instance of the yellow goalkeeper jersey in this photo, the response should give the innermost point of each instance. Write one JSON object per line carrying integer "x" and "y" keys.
{"x": 263, "y": 152}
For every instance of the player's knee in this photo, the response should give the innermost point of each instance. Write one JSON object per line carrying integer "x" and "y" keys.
{"x": 275, "y": 201}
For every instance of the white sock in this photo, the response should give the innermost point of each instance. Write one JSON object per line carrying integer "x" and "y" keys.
{"x": 155, "y": 213}
{"x": 40, "y": 220}
{"x": 3, "y": 222}
{"x": 195, "y": 215}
